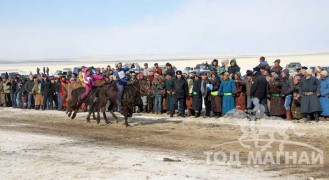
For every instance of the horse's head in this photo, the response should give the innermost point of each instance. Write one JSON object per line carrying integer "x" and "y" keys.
{"x": 143, "y": 86}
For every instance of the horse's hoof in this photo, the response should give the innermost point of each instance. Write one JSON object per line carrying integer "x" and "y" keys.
{"x": 98, "y": 121}
{"x": 128, "y": 125}
{"x": 108, "y": 122}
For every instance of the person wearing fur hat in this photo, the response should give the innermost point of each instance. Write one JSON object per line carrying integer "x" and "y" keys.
{"x": 226, "y": 89}
{"x": 216, "y": 99}
{"x": 286, "y": 92}
{"x": 277, "y": 67}
{"x": 258, "y": 92}
{"x": 214, "y": 66}
{"x": 189, "y": 101}
{"x": 247, "y": 83}
{"x": 324, "y": 94}
{"x": 47, "y": 92}
{"x": 309, "y": 91}
{"x": 274, "y": 95}
{"x": 197, "y": 96}
{"x": 295, "y": 104}
{"x": 240, "y": 94}
{"x": 233, "y": 69}
{"x": 157, "y": 88}
{"x": 168, "y": 96}
{"x": 179, "y": 91}
{"x": 317, "y": 71}
{"x": 30, "y": 94}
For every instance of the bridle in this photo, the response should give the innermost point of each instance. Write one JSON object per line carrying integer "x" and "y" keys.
{"x": 141, "y": 89}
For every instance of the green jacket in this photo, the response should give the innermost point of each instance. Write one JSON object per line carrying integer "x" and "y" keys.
{"x": 36, "y": 89}
{"x": 6, "y": 87}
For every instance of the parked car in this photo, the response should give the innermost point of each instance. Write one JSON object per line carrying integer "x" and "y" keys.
{"x": 58, "y": 72}
{"x": 201, "y": 68}
{"x": 293, "y": 66}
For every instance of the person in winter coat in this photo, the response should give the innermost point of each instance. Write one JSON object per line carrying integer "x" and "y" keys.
{"x": 247, "y": 83}
{"x": 295, "y": 104}
{"x": 277, "y": 66}
{"x": 287, "y": 90}
{"x": 233, "y": 69}
{"x": 189, "y": 99}
{"x": 30, "y": 95}
{"x": 206, "y": 94}
{"x": 54, "y": 95}
{"x": 38, "y": 94}
{"x": 258, "y": 93}
{"x": 309, "y": 91}
{"x": 274, "y": 95}
{"x": 89, "y": 80}
{"x": 216, "y": 99}
{"x": 120, "y": 75}
{"x": 157, "y": 88}
{"x": 197, "y": 96}
{"x": 240, "y": 94}
{"x": 7, "y": 91}
{"x": 226, "y": 89}
{"x": 19, "y": 92}
{"x": 168, "y": 95}
{"x": 47, "y": 93}
{"x": 324, "y": 94}
{"x": 215, "y": 66}
{"x": 179, "y": 91}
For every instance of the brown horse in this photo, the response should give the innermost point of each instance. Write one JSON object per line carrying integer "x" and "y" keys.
{"x": 68, "y": 90}
{"x": 130, "y": 95}
{"x": 105, "y": 93}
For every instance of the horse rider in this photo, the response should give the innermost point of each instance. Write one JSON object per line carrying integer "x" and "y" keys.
{"x": 121, "y": 78}
{"x": 89, "y": 79}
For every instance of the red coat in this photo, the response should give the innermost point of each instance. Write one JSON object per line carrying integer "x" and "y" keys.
{"x": 63, "y": 93}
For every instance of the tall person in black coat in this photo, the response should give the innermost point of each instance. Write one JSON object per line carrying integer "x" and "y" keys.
{"x": 179, "y": 91}
{"x": 309, "y": 90}
{"x": 258, "y": 92}
{"x": 197, "y": 96}
{"x": 47, "y": 93}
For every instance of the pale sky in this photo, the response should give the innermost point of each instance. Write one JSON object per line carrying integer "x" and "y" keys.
{"x": 72, "y": 28}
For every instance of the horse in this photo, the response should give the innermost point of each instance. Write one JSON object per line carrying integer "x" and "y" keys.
{"x": 108, "y": 92}
{"x": 103, "y": 94}
{"x": 68, "y": 88}
{"x": 130, "y": 95}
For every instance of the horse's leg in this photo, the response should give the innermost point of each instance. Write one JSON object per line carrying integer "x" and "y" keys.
{"x": 94, "y": 116}
{"x": 126, "y": 121}
{"x": 88, "y": 117}
{"x": 105, "y": 117}
{"x": 98, "y": 117}
{"x": 111, "y": 106}
{"x": 76, "y": 109}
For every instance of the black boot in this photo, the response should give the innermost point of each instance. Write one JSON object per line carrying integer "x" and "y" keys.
{"x": 316, "y": 117}
{"x": 182, "y": 114}
{"x": 198, "y": 114}
{"x": 306, "y": 118}
{"x": 172, "y": 114}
